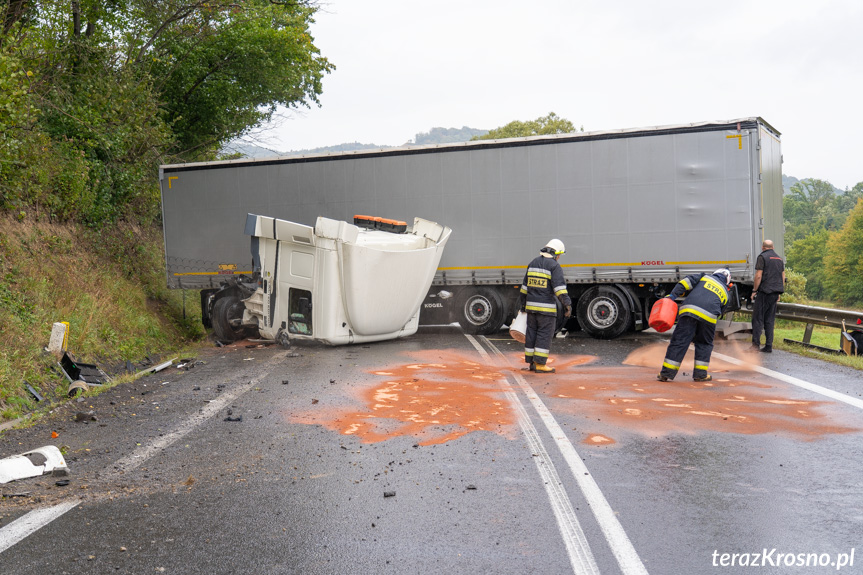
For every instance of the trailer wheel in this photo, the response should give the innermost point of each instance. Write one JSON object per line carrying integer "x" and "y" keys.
{"x": 603, "y": 312}
{"x": 480, "y": 311}
{"x": 224, "y": 310}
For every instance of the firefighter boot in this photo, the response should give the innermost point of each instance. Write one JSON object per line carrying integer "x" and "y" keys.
{"x": 542, "y": 368}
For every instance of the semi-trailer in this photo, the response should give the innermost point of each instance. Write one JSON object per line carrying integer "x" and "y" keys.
{"x": 637, "y": 209}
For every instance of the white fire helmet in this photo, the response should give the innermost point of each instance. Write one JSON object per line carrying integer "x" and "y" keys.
{"x": 723, "y": 272}
{"x": 556, "y": 246}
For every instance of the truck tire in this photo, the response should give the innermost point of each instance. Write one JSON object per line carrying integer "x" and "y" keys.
{"x": 480, "y": 311}
{"x": 225, "y": 309}
{"x": 603, "y": 312}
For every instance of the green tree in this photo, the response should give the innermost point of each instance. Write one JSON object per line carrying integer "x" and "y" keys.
{"x": 809, "y": 206}
{"x": 806, "y": 256}
{"x": 551, "y": 124}
{"x": 844, "y": 260}
{"x": 222, "y": 69}
{"x": 97, "y": 93}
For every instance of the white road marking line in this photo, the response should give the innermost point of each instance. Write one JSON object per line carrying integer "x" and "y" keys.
{"x": 34, "y": 520}
{"x": 142, "y": 454}
{"x": 626, "y": 555}
{"x": 838, "y": 396}
{"x": 580, "y": 556}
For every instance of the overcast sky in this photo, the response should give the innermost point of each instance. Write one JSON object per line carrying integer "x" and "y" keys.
{"x": 404, "y": 67}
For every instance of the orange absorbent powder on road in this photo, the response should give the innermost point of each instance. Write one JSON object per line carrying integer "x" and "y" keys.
{"x": 437, "y": 397}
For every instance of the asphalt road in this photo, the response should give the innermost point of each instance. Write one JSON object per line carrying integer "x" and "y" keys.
{"x": 437, "y": 454}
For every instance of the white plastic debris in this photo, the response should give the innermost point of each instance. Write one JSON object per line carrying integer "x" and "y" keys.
{"x": 59, "y": 338}
{"x": 22, "y": 466}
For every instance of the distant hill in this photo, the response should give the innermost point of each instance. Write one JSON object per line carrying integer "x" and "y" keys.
{"x": 241, "y": 149}
{"x": 351, "y": 147}
{"x": 788, "y": 181}
{"x": 447, "y": 135}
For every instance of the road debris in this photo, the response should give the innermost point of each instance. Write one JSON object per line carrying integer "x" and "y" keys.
{"x": 389, "y": 493}
{"x": 33, "y": 392}
{"x": 154, "y": 369}
{"x": 188, "y": 363}
{"x": 77, "y": 387}
{"x": 31, "y": 464}
{"x": 81, "y": 375}
{"x": 85, "y": 416}
{"x": 59, "y": 338}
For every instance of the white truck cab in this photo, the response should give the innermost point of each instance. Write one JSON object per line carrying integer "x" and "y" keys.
{"x": 341, "y": 283}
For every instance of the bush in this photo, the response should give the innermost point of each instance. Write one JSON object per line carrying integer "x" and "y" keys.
{"x": 795, "y": 287}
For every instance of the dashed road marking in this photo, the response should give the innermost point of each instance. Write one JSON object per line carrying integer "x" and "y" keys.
{"x": 580, "y": 556}
{"x": 31, "y": 522}
{"x": 28, "y": 524}
{"x": 627, "y": 557}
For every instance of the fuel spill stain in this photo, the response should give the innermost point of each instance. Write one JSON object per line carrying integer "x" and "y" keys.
{"x": 436, "y": 397}
{"x": 630, "y": 397}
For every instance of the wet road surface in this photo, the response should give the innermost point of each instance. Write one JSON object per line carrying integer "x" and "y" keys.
{"x": 438, "y": 454}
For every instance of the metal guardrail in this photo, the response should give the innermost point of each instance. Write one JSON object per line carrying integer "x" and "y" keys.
{"x": 819, "y": 315}
{"x": 849, "y": 322}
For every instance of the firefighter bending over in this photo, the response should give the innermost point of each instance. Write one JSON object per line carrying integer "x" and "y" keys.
{"x": 706, "y": 299}
{"x": 543, "y": 285}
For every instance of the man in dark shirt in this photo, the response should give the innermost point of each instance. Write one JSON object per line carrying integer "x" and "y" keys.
{"x": 769, "y": 285}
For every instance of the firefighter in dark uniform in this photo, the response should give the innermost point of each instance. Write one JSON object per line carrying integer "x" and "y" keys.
{"x": 707, "y": 297}
{"x": 543, "y": 285}
{"x": 768, "y": 286}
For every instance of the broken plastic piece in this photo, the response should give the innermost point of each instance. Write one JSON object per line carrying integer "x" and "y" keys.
{"x": 159, "y": 367}
{"x": 75, "y": 370}
{"x": 31, "y": 464}
{"x": 33, "y": 392}
{"x": 77, "y": 387}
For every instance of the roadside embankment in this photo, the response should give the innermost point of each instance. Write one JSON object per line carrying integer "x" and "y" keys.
{"x": 108, "y": 284}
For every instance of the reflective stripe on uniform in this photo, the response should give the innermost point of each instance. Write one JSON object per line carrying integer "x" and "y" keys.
{"x": 701, "y": 365}
{"x": 538, "y": 272}
{"x": 673, "y": 365}
{"x": 559, "y": 290}
{"x": 685, "y": 283}
{"x": 698, "y": 312}
{"x": 540, "y": 306}
{"x": 541, "y": 352}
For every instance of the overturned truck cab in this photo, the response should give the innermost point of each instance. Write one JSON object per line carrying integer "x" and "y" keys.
{"x": 337, "y": 282}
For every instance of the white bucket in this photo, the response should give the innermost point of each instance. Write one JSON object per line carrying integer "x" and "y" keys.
{"x": 518, "y": 327}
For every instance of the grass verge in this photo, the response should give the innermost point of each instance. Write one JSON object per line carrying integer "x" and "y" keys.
{"x": 821, "y": 336}
{"x": 109, "y": 285}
